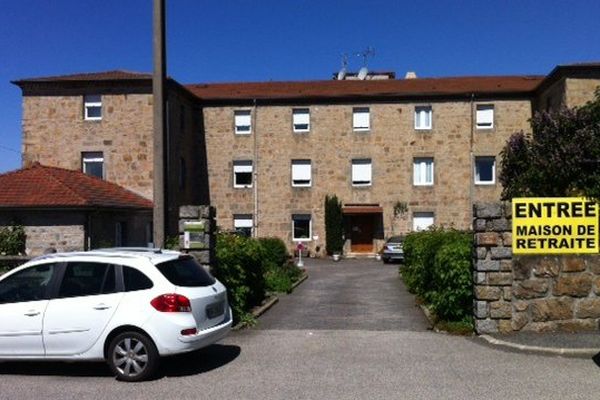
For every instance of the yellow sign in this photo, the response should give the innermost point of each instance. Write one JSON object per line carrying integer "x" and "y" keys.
{"x": 554, "y": 225}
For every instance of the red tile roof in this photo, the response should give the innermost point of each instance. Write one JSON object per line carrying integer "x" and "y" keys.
{"x": 41, "y": 186}
{"x": 371, "y": 88}
{"x": 115, "y": 75}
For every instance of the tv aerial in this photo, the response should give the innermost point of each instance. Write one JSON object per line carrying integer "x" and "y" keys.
{"x": 365, "y": 54}
{"x": 342, "y": 74}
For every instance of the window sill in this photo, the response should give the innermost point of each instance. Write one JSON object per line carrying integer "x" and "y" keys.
{"x": 423, "y": 129}
{"x": 485, "y": 184}
{"x": 243, "y": 133}
{"x": 423, "y": 185}
{"x": 301, "y": 131}
{"x": 243, "y": 187}
{"x": 362, "y": 130}
{"x": 301, "y": 186}
{"x": 93, "y": 119}
{"x": 302, "y": 240}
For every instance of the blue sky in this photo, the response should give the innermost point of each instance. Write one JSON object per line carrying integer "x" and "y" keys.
{"x": 210, "y": 41}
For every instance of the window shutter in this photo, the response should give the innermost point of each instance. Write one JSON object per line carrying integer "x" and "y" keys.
{"x": 361, "y": 171}
{"x": 485, "y": 116}
{"x": 361, "y": 118}
{"x": 242, "y": 223}
{"x": 301, "y": 117}
{"x": 422, "y": 220}
{"x": 301, "y": 171}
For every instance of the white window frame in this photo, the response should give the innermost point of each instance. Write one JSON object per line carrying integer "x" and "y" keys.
{"x": 309, "y": 238}
{"x": 92, "y": 157}
{"x": 356, "y": 113}
{"x": 423, "y": 215}
{"x": 420, "y": 165}
{"x": 355, "y": 170}
{"x": 297, "y": 173}
{"x": 477, "y": 180}
{"x": 87, "y": 104}
{"x": 243, "y": 221}
{"x": 299, "y": 116}
{"x": 243, "y": 166}
{"x": 480, "y": 111}
{"x": 242, "y": 114}
{"x": 419, "y": 120}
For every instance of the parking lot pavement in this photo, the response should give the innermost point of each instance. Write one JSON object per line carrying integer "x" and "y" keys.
{"x": 361, "y": 294}
{"x": 361, "y": 346}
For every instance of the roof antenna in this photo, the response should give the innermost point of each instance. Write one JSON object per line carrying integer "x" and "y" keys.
{"x": 365, "y": 54}
{"x": 342, "y": 74}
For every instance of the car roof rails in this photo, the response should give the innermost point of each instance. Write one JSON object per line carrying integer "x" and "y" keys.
{"x": 153, "y": 250}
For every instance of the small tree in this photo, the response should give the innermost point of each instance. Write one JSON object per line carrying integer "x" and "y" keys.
{"x": 561, "y": 157}
{"x": 334, "y": 225}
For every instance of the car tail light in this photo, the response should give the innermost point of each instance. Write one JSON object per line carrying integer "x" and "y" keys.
{"x": 171, "y": 303}
{"x": 188, "y": 332}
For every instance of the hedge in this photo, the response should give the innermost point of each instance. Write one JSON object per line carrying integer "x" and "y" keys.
{"x": 438, "y": 270}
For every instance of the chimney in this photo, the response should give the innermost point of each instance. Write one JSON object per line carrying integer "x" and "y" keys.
{"x": 410, "y": 75}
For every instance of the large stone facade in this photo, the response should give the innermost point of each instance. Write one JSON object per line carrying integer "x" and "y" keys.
{"x": 392, "y": 143}
{"x": 529, "y": 293}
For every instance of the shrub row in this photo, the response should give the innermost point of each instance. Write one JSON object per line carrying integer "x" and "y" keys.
{"x": 12, "y": 240}
{"x": 249, "y": 268}
{"x": 438, "y": 270}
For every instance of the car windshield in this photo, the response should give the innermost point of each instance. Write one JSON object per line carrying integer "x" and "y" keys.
{"x": 395, "y": 239}
{"x": 185, "y": 271}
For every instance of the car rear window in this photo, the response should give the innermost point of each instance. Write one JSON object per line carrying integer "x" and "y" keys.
{"x": 396, "y": 239}
{"x": 185, "y": 271}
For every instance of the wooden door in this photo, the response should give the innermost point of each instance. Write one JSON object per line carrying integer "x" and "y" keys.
{"x": 362, "y": 230}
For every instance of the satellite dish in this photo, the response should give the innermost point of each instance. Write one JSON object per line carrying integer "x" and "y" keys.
{"x": 342, "y": 74}
{"x": 362, "y": 74}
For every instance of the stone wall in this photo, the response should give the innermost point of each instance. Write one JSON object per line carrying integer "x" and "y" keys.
{"x": 205, "y": 215}
{"x": 529, "y": 293}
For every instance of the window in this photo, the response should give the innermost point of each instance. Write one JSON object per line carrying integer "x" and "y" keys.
{"x": 242, "y": 223}
{"x": 301, "y": 119}
{"x": 243, "y": 122}
{"x": 301, "y": 227}
{"x": 301, "y": 173}
{"x": 120, "y": 233}
{"x": 423, "y": 117}
{"x": 422, "y": 220}
{"x": 135, "y": 280}
{"x": 92, "y": 107}
{"x": 185, "y": 271}
{"x": 27, "y": 285}
{"x": 361, "y": 120}
{"x": 93, "y": 164}
{"x": 485, "y": 116}
{"x": 361, "y": 172}
{"x": 242, "y": 174}
{"x": 87, "y": 279}
{"x": 485, "y": 170}
{"x": 423, "y": 171}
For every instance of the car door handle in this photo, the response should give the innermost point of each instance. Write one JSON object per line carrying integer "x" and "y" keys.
{"x": 32, "y": 313}
{"x": 101, "y": 307}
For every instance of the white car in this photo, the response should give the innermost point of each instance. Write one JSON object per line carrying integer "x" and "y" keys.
{"x": 126, "y": 306}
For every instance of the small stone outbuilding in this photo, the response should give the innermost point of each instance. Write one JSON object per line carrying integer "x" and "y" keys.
{"x": 69, "y": 210}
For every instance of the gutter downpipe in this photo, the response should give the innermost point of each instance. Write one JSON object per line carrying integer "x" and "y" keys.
{"x": 472, "y": 162}
{"x": 255, "y": 168}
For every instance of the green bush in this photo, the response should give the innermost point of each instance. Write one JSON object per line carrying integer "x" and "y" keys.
{"x": 12, "y": 240}
{"x": 438, "y": 270}
{"x": 240, "y": 267}
{"x": 452, "y": 297}
{"x": 280, "y": 278}
{"x": 334, "y": 225}
{"x": 275, "y": 251}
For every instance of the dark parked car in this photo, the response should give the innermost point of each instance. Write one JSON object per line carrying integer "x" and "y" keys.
{"x": 393, "y": 250}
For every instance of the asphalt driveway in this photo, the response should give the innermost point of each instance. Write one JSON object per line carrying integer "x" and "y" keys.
{"x": 360, "y": 294}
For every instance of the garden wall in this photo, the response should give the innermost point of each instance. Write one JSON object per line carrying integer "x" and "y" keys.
{"x": 529, "y": 293}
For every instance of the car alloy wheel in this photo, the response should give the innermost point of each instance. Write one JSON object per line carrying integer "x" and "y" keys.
{"x": 132, "y": 357}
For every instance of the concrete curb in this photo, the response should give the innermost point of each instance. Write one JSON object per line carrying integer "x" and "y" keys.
{"x": 299, "y": 281}
{"x": 258, "y": 311}
{"x": 429, "y": 317}
{"x": 585, "y": 353}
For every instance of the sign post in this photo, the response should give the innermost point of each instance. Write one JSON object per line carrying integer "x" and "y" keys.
{"x": 300, "y": 247}
{"x": 554, "y": 225}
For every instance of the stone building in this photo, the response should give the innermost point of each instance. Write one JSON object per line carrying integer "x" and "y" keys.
{"x": 68, "y": 210}
{"x": 401, "y": 154}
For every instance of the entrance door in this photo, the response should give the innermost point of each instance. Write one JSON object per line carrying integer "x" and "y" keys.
{"x": 362, "y": 228}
